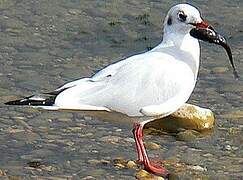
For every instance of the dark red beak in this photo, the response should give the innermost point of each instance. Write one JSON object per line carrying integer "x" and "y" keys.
{"x": 202, "y": 24}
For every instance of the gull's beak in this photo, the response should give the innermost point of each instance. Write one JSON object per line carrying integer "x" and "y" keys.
{"x": 204, "y": 32}
{"x": 202, "y": 25}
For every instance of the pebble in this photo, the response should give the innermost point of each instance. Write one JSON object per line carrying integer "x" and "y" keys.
{"x": 88, "y": 178}
{"x": 64, "y": 119}
{"x": 228, "y": 147}
{"x": 197, "y": 168}
{"x": 19, "y": 118}
{"x": 231, "y": 148}
{"x": 234, "y": 131}
{"x": 129, "y": 140}
{"x": 217, "y": 70}
{"x": 120, "y": 163}
{"x": 86, "y": 135}
{"x": 131, "y": 164}
{"x": 111, "y": 139}
{"x": 207, "y": 155}
{"x": 74, "y": 12}
{"x": 118, "y": 130}
{"x": 49, "y": 168}
{"x": 93, "y": 161}
{"x": 75, "y": 129}
{"x": 120, "y": 166}
{"x": 152, "y": 146}
{"x": 144, "y": 175}
{"x": 2, "y": 173}
{"x": 187, "y": 135}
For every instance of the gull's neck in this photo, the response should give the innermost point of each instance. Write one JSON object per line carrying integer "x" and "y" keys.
{"x": 183, "y": 46}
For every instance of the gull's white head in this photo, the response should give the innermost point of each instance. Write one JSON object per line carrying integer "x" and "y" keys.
{"x": 184, "y": 26}
{"x": 182, "y": 18}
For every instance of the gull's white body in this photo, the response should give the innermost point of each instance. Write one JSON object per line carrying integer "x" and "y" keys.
{"x": 155, "y": 83}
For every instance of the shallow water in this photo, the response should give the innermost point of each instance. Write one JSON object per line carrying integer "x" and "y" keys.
{"x": 47, "y": 43}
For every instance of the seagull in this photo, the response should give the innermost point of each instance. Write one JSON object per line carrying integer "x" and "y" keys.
{"x": 146, "y": 86}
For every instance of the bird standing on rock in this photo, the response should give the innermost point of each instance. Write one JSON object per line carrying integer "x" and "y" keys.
{"x": 149, "y": 85}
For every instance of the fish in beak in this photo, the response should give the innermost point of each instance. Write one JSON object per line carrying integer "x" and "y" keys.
{"x": 204, "y": 32}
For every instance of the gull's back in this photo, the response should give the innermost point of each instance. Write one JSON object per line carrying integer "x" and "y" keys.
{"x": 151, "y": 78}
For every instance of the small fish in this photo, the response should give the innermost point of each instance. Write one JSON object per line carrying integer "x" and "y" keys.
{"x": 211, "y": 36}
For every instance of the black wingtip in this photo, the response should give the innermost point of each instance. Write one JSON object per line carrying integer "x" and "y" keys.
{"x": 8, "y": 103}
{"x": 17, "y": 102}
{"x": 45, "y": 99}
{"x": 35, "y": 100}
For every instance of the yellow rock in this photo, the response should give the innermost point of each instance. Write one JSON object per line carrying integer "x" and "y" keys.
{"x": 2, "y": 173}
{"x": 120, "y": 163}
{"x": 152, "y": 146}
{"x": 131, "y": 164}
{"x": 220, "y": 69}
{"x": 144, "y": 175}
{"x": 120, "y": 166}
{"x": 187, "y": 117}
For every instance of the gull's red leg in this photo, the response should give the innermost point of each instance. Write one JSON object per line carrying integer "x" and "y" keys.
{"x": 136, "y": 132}
{"x": 138, "y": 135}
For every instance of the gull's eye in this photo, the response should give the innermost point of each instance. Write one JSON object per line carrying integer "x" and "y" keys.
{"x": 181, "y": 16}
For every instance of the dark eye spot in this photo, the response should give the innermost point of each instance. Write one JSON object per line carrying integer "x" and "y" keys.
{"x": 169, "y": 22}
{"x": 182, "y": 17}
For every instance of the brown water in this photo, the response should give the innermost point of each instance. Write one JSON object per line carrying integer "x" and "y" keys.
{"x": 44, "y": 44}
